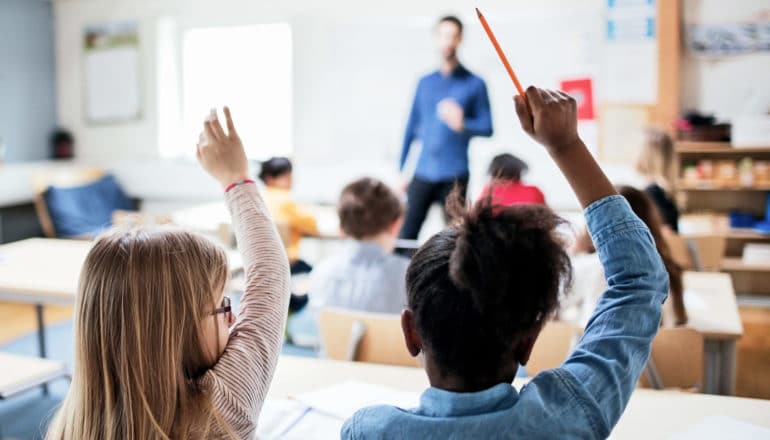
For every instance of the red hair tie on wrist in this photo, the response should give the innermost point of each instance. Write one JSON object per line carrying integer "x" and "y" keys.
{"x": 234, "y": 184}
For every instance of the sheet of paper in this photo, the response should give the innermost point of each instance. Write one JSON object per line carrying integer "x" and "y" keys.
{"x": 314, "y": 425}
{"x": 278, "y": 416}
{"x": 344, "y": 399}
{"x": 722, "y": 427}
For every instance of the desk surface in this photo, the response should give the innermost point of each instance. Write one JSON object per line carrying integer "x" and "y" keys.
{"x": 18, "y": 373}
{"x": 650, "y": 414}
{"x": 46, "y": 270}
{"x": 711, "y": 305}
{"x": 209, "y": 216}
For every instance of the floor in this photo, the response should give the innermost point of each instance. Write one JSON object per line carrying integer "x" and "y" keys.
{"x": 19, "y": 319}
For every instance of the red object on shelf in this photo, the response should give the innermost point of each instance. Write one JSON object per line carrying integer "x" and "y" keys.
{"x": 582, "y": 90}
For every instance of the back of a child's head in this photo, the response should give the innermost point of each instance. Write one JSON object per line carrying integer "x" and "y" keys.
{"x": 142, "y": 296}
{"x": 368, "y": 207}
{"x": 485, "y": 283}
{"x": 507, "y": 167}
{"x": 656, "y": 158}
{"x": 274, "y": 167}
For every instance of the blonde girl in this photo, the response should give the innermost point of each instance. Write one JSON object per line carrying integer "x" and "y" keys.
{"x": 158, "y": 352}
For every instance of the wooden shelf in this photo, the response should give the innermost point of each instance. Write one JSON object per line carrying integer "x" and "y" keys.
{"x": 732, "y": 234}
{"x": 736, "y": 264}
{"x": 683, "y": 187}
{"x": 717, "y": 148}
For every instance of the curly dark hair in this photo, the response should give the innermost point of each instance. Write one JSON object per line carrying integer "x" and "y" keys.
{"x": 486, "y": 283}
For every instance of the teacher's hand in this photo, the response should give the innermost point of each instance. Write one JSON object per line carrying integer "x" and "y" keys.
{"x": 221, "y": 154}
{"x": 452, "y": 114}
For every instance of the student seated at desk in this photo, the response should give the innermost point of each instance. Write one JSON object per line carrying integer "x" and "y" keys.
{"x": 276, "y": 173}
{"x": 589, "y": 282}
{"x": 158, "y": 352}
{"x": 480, "y": 291}
{"x": 366, "y": 275}
{"x": 506, "y": 186}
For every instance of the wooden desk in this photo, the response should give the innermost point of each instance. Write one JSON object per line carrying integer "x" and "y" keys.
{"x": 210, "y": 217}
{"x": 713, "y": 312}
{"x": 650, "y": 414}
{"x": 43, "y": 271}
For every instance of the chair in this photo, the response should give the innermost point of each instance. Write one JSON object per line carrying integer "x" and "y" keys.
{"x": 553, "y": 345}
{"x": 707, "y": 251}
{"x": 676, "y": 360}
{"x": 699, "y": 252}
{"x": 364, "y": 337}
{"x": 680, "y": 249}
{"x": 82, "y": 195}
{"x": 20, "y": 373}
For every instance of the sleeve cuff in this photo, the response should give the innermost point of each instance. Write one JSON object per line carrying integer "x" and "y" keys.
{"x": 609, "y": 217}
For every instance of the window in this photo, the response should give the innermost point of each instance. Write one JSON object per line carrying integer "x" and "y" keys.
{"x": 248, "y": 68}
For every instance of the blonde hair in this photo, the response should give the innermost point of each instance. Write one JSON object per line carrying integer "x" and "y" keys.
{"x": 142, "y": 296}
{"x": 656, "y": 159}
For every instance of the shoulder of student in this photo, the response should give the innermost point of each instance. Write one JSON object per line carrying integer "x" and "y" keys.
{"x": 374, "y": 422}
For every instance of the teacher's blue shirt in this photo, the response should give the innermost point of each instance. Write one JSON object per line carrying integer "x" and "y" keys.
{"x": 444, "y": 153}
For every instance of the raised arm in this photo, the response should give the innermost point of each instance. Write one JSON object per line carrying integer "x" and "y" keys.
{"x": 603, "y": 370}
{"x": 241, "y": 377}
{"x": 412, "y": 125}
{"x": 479, "y": 121}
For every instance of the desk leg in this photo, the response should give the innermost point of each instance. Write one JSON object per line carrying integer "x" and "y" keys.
{"x": 728, "y": 353}
{"x": 711, "y": 370}
{"x": 41, "y": 338}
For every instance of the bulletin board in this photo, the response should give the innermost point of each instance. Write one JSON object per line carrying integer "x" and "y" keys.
{"x": 111, "y": 72}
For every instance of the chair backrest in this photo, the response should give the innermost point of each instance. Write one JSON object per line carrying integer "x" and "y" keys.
{"x": 676, "y": 361}
{"x": 363, "y": 337}
{"x": 707, "y": 251}
{"x": 61, "y": 178}
{"x": 553, "y": 345}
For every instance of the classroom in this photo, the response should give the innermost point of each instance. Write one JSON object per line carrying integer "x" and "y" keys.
{"x": 406, "y": 220}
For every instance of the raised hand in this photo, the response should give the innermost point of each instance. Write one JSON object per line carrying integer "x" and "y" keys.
{"x": 221, "y": 154}
{"x": 551, "y": 118}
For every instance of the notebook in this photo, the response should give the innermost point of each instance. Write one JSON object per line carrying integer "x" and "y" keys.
{"x": 320, "y": 414}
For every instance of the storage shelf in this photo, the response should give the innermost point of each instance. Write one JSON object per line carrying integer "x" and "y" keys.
{"x": 718, "y": 148}
{"x": 736, "y": 264}
{"x": 723, "y": 188}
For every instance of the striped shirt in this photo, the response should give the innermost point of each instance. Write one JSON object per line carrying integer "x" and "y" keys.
{"x": 239, "y": 381}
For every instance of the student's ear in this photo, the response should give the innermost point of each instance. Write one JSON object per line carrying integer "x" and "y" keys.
{"x": 395, "y": 228}
{"x": 524, "y": 350}
{"x": 411, "y": 338}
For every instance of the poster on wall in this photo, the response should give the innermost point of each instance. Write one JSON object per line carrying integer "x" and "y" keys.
{"x": 729, "y": 38}
{"x": 111, "y": 72}
{"x": 630, "y": 64}
{"x": 582, "y": 90}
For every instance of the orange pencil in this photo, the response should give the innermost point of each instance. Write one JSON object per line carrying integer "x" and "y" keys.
{"x": 501, "y": 54}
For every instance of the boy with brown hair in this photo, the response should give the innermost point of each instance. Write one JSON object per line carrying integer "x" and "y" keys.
{"x": 366, "y": 275}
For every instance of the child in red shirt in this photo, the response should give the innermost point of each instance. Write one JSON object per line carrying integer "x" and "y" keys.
{"x": 506, "y": 186}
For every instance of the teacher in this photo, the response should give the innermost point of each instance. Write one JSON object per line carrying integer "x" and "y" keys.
{"x": 450, "y": 106}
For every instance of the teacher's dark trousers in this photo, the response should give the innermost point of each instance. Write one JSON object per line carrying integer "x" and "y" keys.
{"x": 420, "y": 196}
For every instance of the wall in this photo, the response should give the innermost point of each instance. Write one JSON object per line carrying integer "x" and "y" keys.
{"x": 726, "y": 86}
{"x": 355, "y": 68}
{"x": 27, "y": 93}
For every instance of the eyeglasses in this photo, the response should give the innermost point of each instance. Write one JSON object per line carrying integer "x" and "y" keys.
{"x": 226, "y": 307}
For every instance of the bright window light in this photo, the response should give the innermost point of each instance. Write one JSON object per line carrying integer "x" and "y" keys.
{"x": 248, "y": 68}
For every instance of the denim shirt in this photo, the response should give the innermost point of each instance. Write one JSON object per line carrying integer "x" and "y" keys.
{"x": 585, "y": 397}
